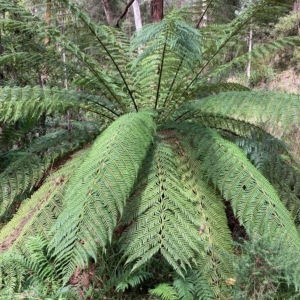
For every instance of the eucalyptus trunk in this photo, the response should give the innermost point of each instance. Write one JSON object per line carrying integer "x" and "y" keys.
{"x": 157, "y": 10}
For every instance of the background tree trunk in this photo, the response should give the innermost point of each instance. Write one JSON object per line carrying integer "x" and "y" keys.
{"x": 137, "y": 15}
{"x": 107, "y": 11}
{"x": 249, "y": 51}
{"x": 157, "y": 10}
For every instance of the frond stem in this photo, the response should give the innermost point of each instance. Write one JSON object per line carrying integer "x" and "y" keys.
{"x": 95, "y": 73}
{"x": 160, "y": 75}
{"x": 203, "y": 14}
{"x": 173, "y": 81}
{"x": 114, "y": 62}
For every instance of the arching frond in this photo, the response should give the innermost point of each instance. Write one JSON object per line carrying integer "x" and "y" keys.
{"x": 33, "y": 102}
{"x": 172, "y": 225}
{"x": 36, "y": 215}
{"x": 214, "y": 228}
{"x": 260, "y": 52}
{"x": 22, "y": 174}
{"x": 110, "y": 43}
{"x": 165, "y": 292}
{"x": 213, "y": 89}
{"x": 253, "y": 199}
{"x": 277, "y": 168}
{"x": 96, "y": 195}
{"x": 169, "y": 197}
{"x": 237, "y": 127}
{"x": 263, "y": 109}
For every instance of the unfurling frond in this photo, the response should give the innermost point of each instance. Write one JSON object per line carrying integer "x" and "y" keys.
{"x": 96, "y": 195}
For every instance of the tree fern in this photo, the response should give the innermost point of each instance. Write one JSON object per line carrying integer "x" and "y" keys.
{"x": 155, "y": 187}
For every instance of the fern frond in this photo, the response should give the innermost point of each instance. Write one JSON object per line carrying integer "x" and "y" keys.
{"x": 253, "y": 199}
{"x": 33, "y": 269}
{"x": 111, "y": 87}
{"x": 203, "y": 290}
{"x": 258, "y": 53}
{"x": 11, "y": 275}
{"x": 172, "y": 47}
{"x": 277, "y": 168}
{"x": 165, "y": 292}
{"x": 175, "y": 213}
{"x": 112, "y": 44}
{"x": 36, "y": 215}
{"x": 22, "y": 175}
{"x": 214, "y": 229}
{"x": 19, "y": 178}
{"x": 96, "y": 196}
{"x": 184, "y": 287}
{"x": 263, "y": 109}
{"x": 132, "y": 280}
{"x": 217, "y": 43}
{"x": 213, "y": 89}
{"x": 162, "y": 216}
{"x": 33, "y": 102}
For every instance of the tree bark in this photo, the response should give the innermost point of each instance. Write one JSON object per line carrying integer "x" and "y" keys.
{"x": 48, "y": 17}
{"x": 249, "y": 53}
{"x": 1, "y": 51}
{"x": 157, "y": 10}
{"x": 107, "y": 11}
{"x": 137, "y": 15}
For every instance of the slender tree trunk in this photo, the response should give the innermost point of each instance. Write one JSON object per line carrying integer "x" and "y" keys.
{"x": 107, "y": 11}
{"x": 297, "y": 10}
{"x": 157, "y": 10}
{"x": 128, "y": 19}
{"x": 1, "y": 50}
{"x": 48, "y": 17}
{"x": 64, "y": 59}
{"x": 137, "y": 15}
{"x": 249, "y": 53}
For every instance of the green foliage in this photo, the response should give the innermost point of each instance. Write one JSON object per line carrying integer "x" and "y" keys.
{"x": 145, "y": 208}
{"x": 264, "y": 270}
{"x": 33, "y": 270}
{"x": 100, "y": 191}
